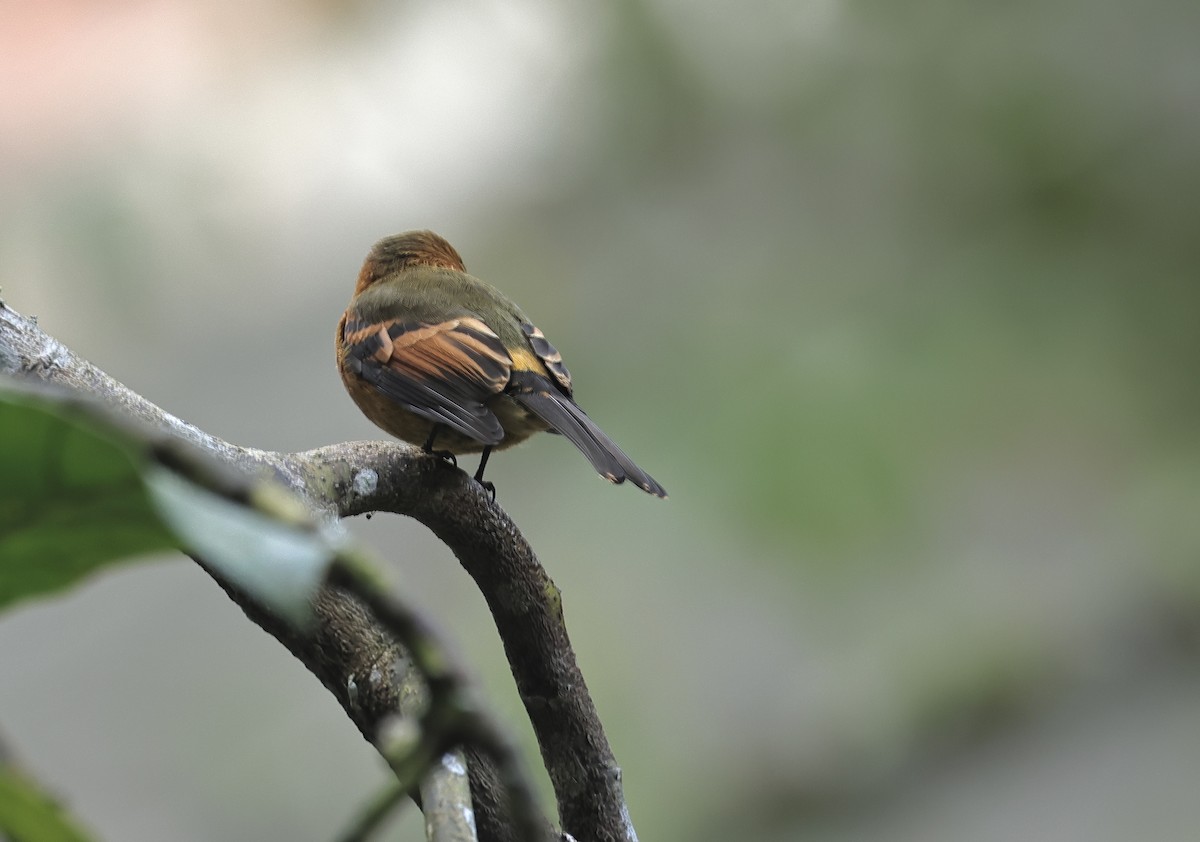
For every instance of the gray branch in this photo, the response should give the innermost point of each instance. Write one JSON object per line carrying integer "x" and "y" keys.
{"x": 348, "y": 646}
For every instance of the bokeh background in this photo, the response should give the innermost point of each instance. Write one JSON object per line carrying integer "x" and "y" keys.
{"x": 899, "y": 301}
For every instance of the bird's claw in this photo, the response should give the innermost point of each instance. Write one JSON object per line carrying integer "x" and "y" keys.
{"x": 445, "y": 456}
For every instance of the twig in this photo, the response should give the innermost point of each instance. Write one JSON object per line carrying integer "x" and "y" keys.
{"x": 376, "y": 812}
{"x": 444, "y": 791}
{"x": 452, "y": 717}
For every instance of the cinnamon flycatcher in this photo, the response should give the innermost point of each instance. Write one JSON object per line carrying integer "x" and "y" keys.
{"x": 435, "y": 356}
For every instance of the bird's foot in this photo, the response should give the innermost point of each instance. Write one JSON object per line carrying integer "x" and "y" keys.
{"x": 445, "y": 456}
{"x": 487, "y": 486}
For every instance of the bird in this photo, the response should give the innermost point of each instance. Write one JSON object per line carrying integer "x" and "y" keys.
{"x": 437, "y": 357}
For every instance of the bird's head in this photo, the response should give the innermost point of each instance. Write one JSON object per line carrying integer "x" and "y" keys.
{"x": 400, "y": 251}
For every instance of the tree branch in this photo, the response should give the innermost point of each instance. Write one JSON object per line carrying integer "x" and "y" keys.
{"x": 353, "y": 655}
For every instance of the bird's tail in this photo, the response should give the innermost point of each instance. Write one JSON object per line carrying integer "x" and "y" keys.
{"x": 564, "y": 417}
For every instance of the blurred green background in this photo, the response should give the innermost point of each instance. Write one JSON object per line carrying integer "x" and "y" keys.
{"x": 899, "y": 301}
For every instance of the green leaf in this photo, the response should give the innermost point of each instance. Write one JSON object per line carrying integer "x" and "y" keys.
{"x": 71, "y": 498}
{"x": 81, "y": 489}
{"x": 29, "y": 815}
{"x": 276, "y": 562}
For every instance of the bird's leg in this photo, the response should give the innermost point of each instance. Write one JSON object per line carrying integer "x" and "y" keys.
{"x": 490, "y": 488}
{"x": 441, "y": 454}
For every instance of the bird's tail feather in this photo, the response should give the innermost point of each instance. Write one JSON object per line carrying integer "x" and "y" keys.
{"x": 568, "y": 419}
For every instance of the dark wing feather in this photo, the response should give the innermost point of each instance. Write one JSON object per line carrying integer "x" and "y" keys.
{"x": 444, "y": 372}
{"x": 539, "y": 396}
{"x": 549, "y": 356}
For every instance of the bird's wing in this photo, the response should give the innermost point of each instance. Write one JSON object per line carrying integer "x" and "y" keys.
{"x": 444, "y": 371}
{"x": 550, "y": 358}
